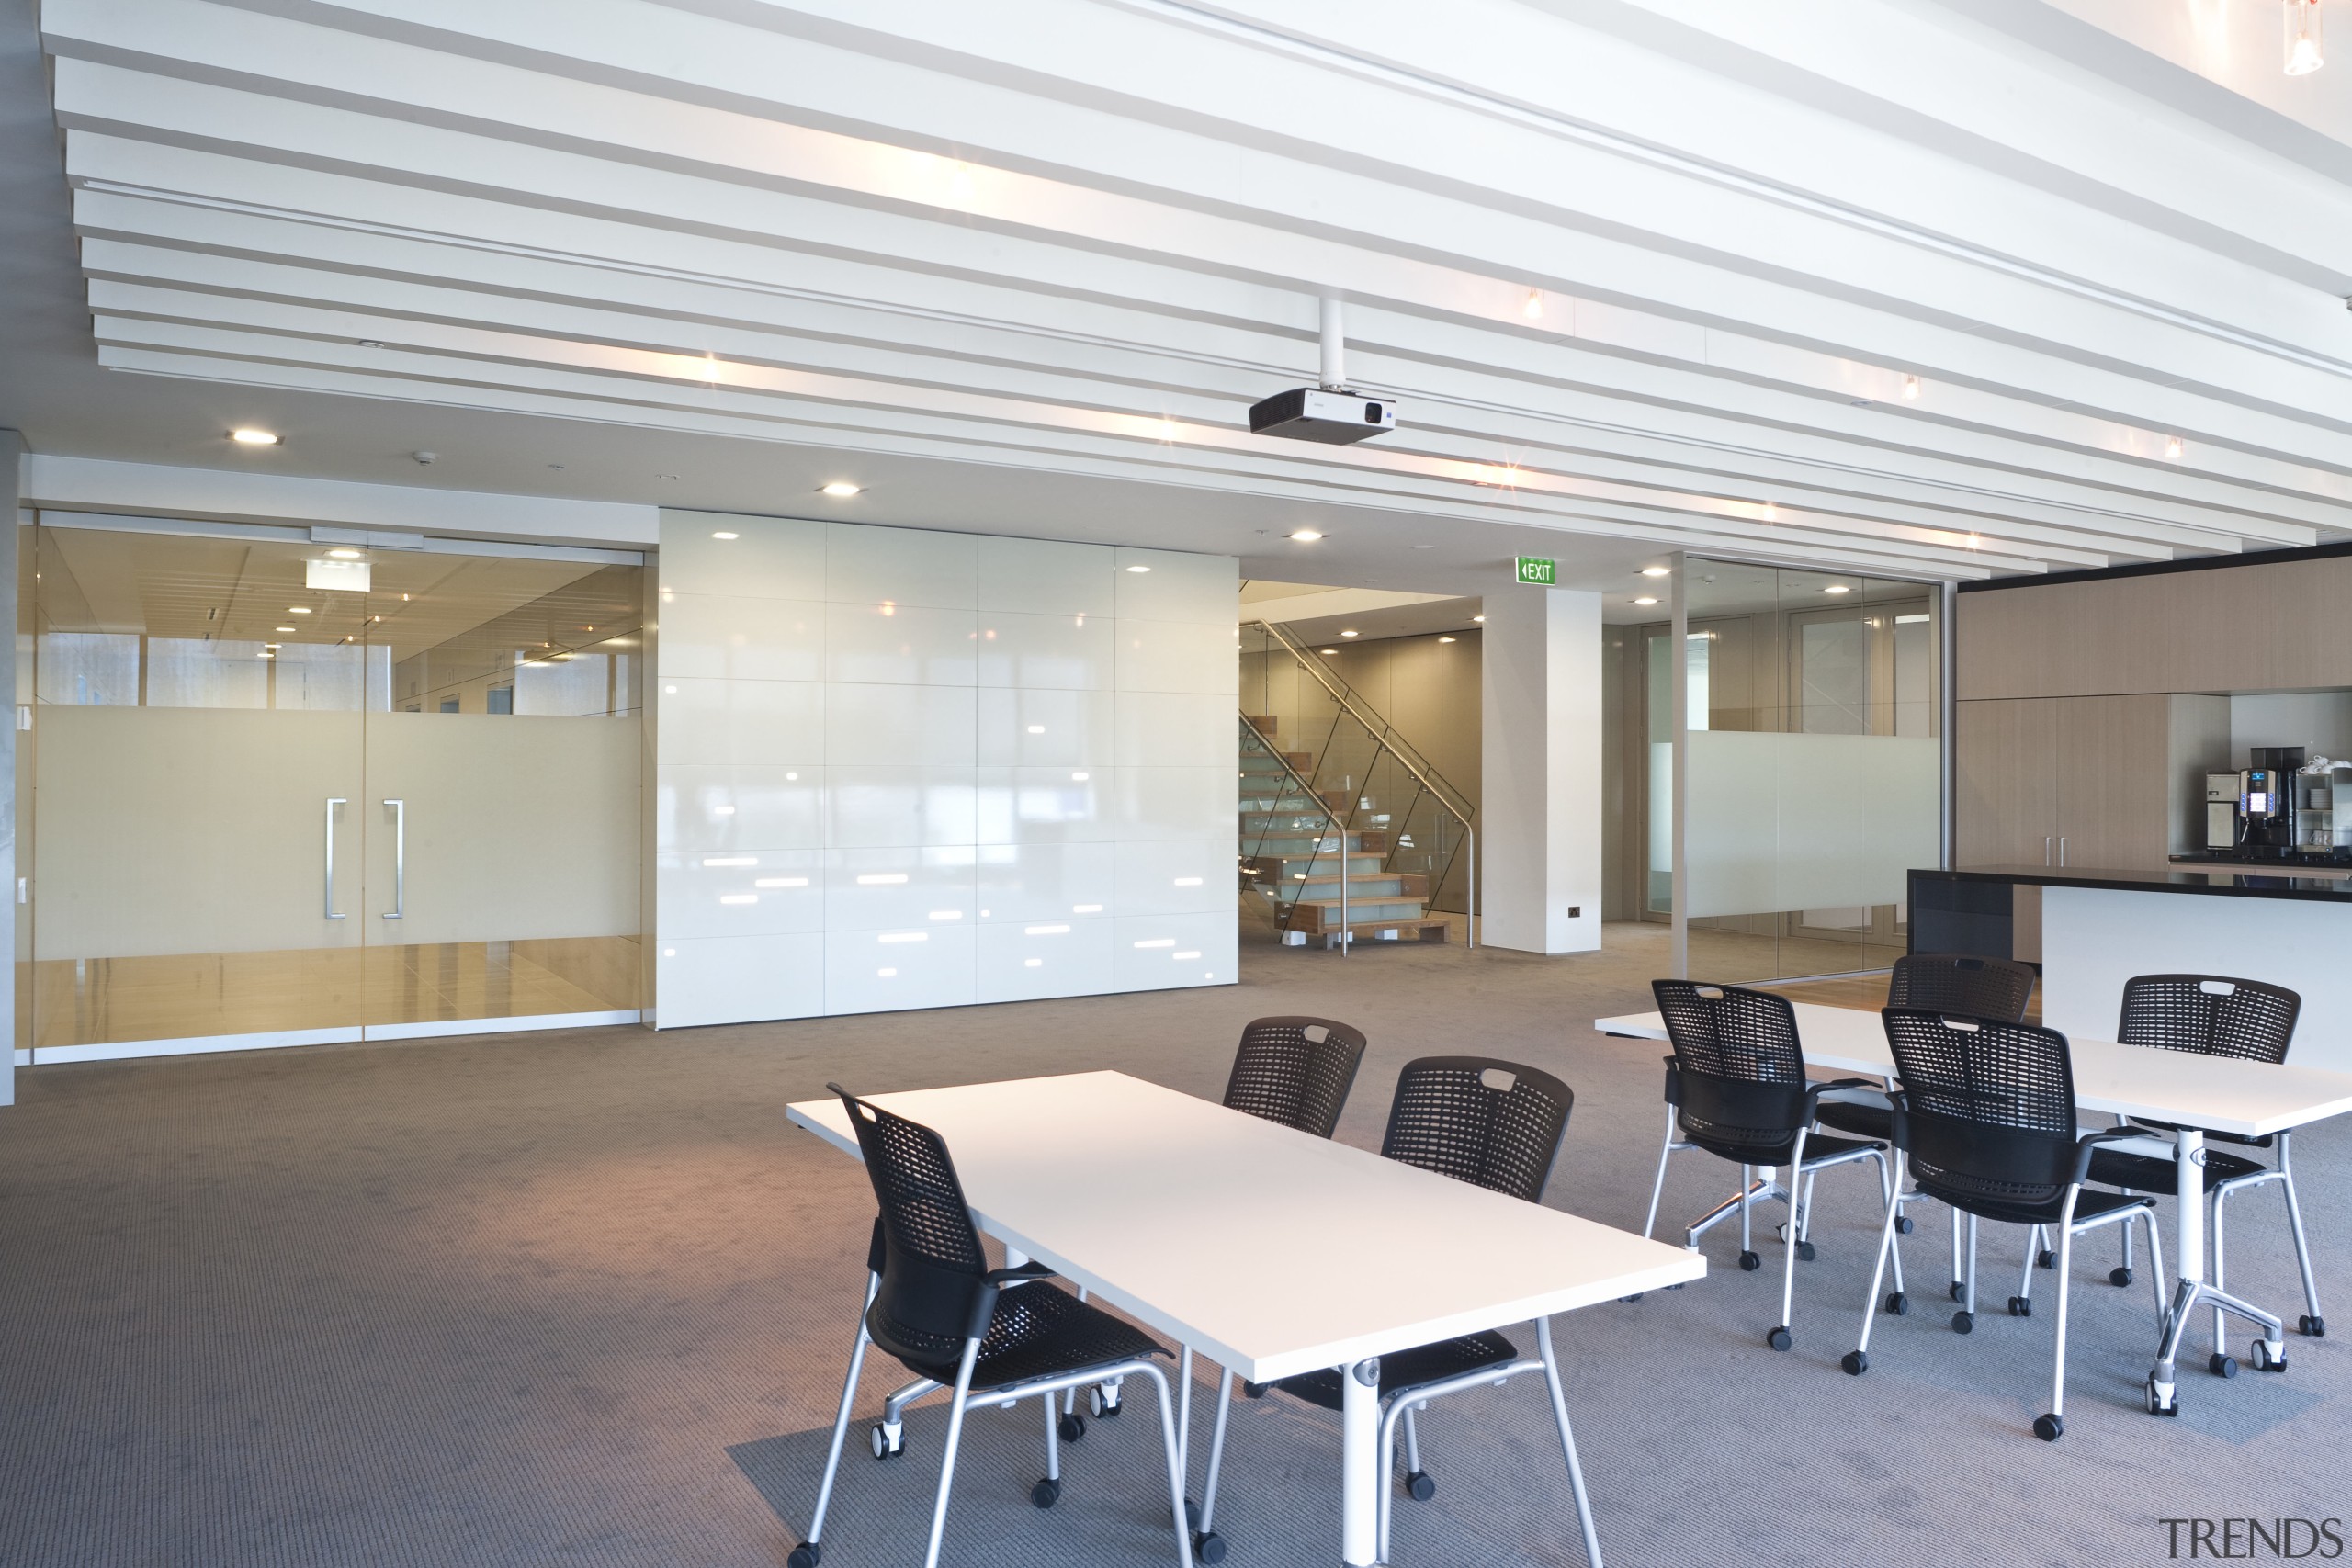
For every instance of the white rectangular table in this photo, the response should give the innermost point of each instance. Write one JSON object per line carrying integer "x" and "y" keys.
{"x": 2202, "y": 1093}
{"x": 1269, "y": 1251}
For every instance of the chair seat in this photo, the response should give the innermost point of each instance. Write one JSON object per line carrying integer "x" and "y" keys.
{"x": 1041, "y": 1332}
{"x": 2145, "y": 1173}
{"x": 1409, "y": 1369}
{"x": 1873, "y": 1121}
{"x": 2089, "y": 1205}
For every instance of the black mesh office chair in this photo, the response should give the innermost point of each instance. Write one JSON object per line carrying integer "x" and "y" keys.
{"x": 2214, "y": 1016}
{"x": 987, "y": 1335}
{"x": 1494, "y": 1124}
{"x": 1735, "y": 1087}
{"x": 1294, "y": 1070}
{"x": 1985, "y": 1121}
{"x": 1958, "y": 986}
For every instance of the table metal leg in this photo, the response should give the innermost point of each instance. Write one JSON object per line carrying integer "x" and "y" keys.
{"x": 1360, "y": 1476}
{"x": 2188, "y": 1170}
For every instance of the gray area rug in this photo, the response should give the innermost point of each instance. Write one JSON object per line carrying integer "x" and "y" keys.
{"x": 585, "y": 1299}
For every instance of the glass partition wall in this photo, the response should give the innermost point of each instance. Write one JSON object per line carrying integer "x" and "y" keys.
{"x": 1811, "y": 762}
{"x": 286, "y": 793}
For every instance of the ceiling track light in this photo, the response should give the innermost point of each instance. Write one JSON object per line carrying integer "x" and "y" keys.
{"x": 1910, "y": 389}
{"x": 1533, "y": 309}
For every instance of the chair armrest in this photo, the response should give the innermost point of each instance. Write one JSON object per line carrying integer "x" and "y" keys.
{"x": 993, "y": 1285}
{"x": 2087, "y": 1145}
{"x": 1020, "y": 1275}
{"x": 1814, "y": 1091}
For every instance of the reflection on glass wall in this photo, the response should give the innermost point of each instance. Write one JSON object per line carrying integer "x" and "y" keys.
{"x": 1812, "y": 750}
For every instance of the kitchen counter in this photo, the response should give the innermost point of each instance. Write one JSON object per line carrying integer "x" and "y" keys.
{"x": 2230, "y": 880}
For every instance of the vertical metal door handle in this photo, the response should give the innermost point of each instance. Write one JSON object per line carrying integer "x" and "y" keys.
{"x": 399, "y": 809}
{"x": 333, "y": 801}
{"x": 2046, "y": 841}
{"x": 2062, "y": 848}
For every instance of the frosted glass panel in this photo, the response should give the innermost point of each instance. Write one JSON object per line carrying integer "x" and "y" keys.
{"x": 1807, "y": 822}
{"x": 89, "y": 669}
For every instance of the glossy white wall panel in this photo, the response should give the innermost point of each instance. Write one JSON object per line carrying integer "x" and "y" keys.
{"x": 915, "y": 889}
{"x": 712, "y": 637}
{"x": 1047, "y": 578}
{"x": 740, "y": 893}
{"x": 738, "y": 979}
{"x": 725, "y": 808}
{"x": 1017, "y": 650}
{"x": 1154, "y": 952}
{"x": 1051, "y": 958}
{"x": 1179, "y": 587}
{"x": 886, "y": 806}
{"x": 1178, "y": 656}
{"x": 1044, "y": 806}
{"x": 888, "y": 971}
{"x": 755, "y": 722}
{"x": 899, "y": 726}
{"x": 899, "y": 566}
{"x": 771, "y": 557}
{"x": 1185, "y": 877}
{"x": 1175, "y": 728}
{"x": 1175, "y": 802}
{"x": 899, "y": 644}
{"x": 1027, "y": 882}
{"x": 1045, "y": 728}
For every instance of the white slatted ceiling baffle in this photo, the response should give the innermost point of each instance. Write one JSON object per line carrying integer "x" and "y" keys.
{"x": 1870, "y": 286}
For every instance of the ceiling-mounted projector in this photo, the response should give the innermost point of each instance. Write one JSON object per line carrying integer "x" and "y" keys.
{"x": 1314, "y": 414}
{"x": 1330, "y": 413}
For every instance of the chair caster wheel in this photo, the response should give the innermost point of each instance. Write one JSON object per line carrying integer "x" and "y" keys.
{"x": 1208, "y": 1550}
{"x": 2047, "y": 1258}
{"x": 1855, "y": 1362}
{"x": 1071, "y": 1427}
{"x": 2221, "y": 1366}
{"x": 2157, "y": 1404}
{"x": 1421, "y": 1486}
{"x": 1898, "y": 1304}
{"x": 1959, "y": 1291}
{"x": 1253, "y": 1389}
{"x": 1804, "y": 1252}
{"x": 1046, "y": 1494}
{"x": 2267, "y": 1360}
{"x": 1902, "y": 1226}
{"x": 1102, "y": 1402}
{"x": 2020, "y": 1306}
{"x": 1192, "y": 1516}
{"x": 2315, "y": 1327}
{"x": 806, "y": 1555}
{"x": 1780, "y": 1338}
{"x": 2118, "y": 1276}
{"x": 1964, "y": 1323}
{"x": 1750, "y": 1262}
{"x": 1637, "y": 1295}
{"x": 2050, "y": 1429}
{"x": 888, "y": 1439}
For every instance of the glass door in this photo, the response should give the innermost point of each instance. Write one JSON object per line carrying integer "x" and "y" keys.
{"x": 284, "y": 793}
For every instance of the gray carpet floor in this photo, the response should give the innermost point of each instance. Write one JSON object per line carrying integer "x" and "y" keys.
{"x": 585, "y": 1298}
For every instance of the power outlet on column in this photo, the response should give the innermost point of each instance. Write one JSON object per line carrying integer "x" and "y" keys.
{"x": 1576, "y": 912}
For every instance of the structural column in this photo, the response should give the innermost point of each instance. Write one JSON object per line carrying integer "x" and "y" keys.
{"x": 14, "y": 672}
{"x": 1539, "y": 815}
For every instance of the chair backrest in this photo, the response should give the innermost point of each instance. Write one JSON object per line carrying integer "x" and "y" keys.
{"x": 1988, "y": 1108}
{"x": 2210, "y": 1014}
{"x": 1489, "y": 1123}
{"x": 1283, "y": 1073}
{"x": 931, "y": 1261}
{"x": 1962, "y": 986}
{"x": 1736, "y": 1080}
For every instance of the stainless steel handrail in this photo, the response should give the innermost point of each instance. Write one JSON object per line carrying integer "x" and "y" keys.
{"x": 1384, "y": 736}
{"x": 1347, "y": 940}
{"x": 1382, "y": 731}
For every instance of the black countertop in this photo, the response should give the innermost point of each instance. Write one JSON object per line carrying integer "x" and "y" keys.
{"x": 2244, "y": 884}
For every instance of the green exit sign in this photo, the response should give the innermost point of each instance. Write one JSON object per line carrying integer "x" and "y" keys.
{"x": 1531, "y": 570}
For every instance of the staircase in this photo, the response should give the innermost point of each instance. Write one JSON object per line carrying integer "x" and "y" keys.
{"x": 1292, "y": 850}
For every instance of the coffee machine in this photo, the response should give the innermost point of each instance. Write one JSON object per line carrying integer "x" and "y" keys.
{"x": 2267, "y": 798}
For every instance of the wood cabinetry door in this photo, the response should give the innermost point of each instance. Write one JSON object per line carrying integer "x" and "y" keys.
{"x": 2114, "y": 759}
{"x": 2005, "y": 782}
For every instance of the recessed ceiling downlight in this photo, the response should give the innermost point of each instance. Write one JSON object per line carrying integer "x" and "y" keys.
{"x": 840, "y": 489}
{"x": 247, "y": 436}
{"x": 1305, "y": 536}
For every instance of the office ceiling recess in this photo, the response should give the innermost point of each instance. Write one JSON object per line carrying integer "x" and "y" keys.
{"x": 1083, "y": 241}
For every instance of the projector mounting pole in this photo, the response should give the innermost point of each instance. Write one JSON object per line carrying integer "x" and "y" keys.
{"x": 1335, "y": 347}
